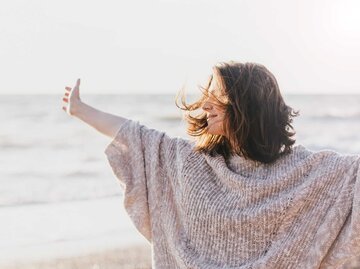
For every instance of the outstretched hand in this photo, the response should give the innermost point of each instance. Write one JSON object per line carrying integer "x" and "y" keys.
{"x": 72, "y": 98}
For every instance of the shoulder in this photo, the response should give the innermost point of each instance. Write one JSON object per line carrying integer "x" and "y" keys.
{"x": 324, "y": 156}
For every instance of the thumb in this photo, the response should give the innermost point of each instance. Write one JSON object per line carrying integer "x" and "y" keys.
{"x": 77, "y": 83}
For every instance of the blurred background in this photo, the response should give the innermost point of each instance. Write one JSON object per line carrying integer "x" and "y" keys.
{"x": 60, "y": 203}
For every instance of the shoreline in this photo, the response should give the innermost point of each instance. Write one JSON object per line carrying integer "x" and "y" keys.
{"x": 50, "y": 231}
{"x": 132, "y": 257}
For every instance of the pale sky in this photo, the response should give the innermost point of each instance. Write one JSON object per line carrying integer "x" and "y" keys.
{"x": 157, "y": 46}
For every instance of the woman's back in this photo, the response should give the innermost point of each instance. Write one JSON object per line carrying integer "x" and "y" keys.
{"x": 202, "y": 211}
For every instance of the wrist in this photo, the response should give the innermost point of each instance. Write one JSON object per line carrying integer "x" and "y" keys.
{"x": 76, "y": 108}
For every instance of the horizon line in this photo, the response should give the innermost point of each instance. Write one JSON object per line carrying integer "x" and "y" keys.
{"x": 84, "y": 94}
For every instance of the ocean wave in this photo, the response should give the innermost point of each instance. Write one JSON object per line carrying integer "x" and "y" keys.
{"x": 169, "y": 118}
{"x": 337, "y": 116}
{"x": 18, "y": 203}
{"x": 35, "y": 144}
{"x": 82, "y": 174}
{"x": 9, "y": 145}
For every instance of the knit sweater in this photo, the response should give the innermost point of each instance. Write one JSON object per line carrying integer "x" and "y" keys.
{"x": 198, "y": 211}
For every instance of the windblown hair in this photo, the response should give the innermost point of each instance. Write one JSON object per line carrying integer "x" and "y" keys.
{"x": 258, "y": 123}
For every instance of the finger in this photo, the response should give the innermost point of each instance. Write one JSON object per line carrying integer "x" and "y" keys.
{"x": 68, "y": 88}
{"x": 65, "y": 100}
{"x": 66, "y": 94}
{"x": 64, "y": 108}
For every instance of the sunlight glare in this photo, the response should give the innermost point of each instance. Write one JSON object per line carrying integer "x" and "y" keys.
{"x": 346, "y": 19}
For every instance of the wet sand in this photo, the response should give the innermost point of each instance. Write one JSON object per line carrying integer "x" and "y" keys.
{"x": 136, "y": 257}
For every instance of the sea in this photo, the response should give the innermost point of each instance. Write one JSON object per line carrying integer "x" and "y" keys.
{"x": 58, "y": 194}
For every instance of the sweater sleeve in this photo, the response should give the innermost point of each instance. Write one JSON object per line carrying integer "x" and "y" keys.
{"x": 144, "y": 160}
{"x": 347, "y": 244}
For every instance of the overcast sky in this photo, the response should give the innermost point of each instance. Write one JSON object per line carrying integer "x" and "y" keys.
{"x": 157, "y": 46}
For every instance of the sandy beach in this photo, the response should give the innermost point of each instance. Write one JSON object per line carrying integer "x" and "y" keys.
{"x": 135, "y": 257}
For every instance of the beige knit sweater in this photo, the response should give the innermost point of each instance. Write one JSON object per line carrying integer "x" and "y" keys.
{"x": 198, "y": 211}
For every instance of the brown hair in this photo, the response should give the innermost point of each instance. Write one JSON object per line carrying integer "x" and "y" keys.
{"x": 258, "y": 122}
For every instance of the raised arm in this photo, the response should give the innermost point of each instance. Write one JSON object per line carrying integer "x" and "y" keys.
{"x": 106, "y": 123}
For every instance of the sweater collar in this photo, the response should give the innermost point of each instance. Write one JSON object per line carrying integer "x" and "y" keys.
{"x": 239, "y": 173}
{"x": 239, "y": 162}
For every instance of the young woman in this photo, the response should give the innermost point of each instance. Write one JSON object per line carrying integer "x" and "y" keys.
{"x": 242, "y": 195}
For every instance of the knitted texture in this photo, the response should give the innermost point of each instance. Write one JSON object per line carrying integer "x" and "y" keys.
{"x": 198, "y": 211}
